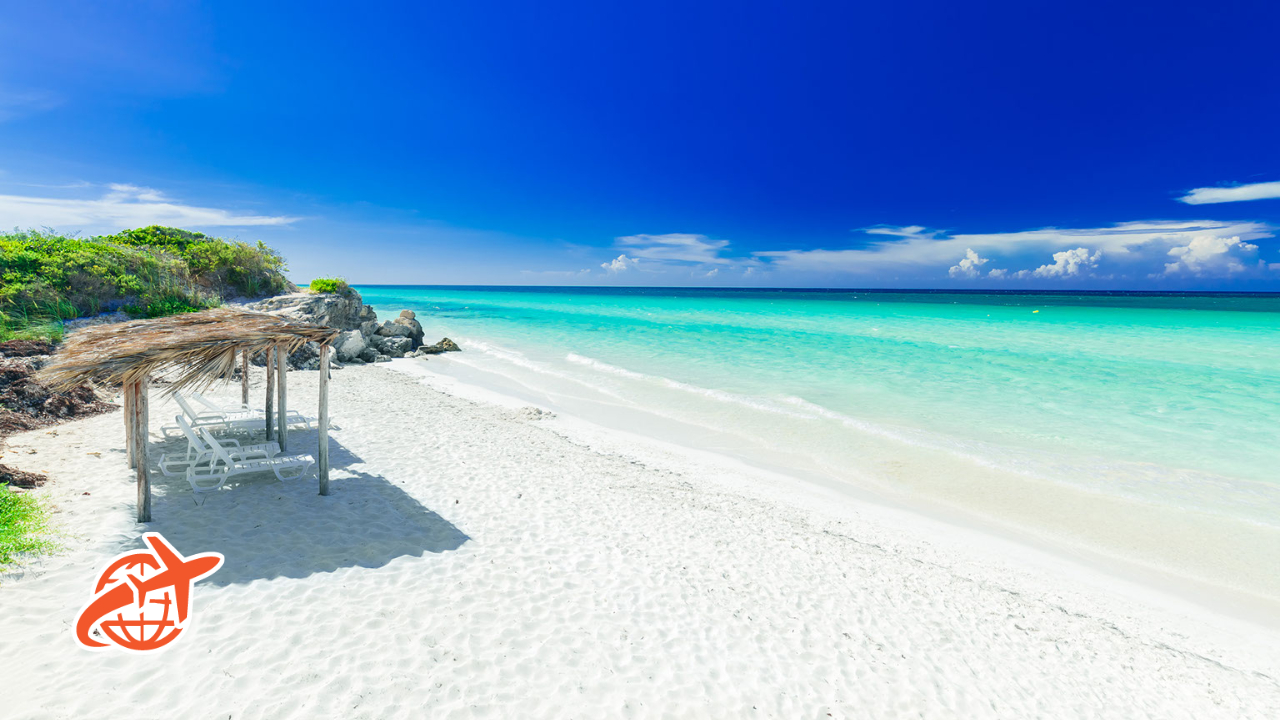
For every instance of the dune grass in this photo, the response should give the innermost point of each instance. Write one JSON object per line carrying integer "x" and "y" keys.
{"x": 27, "y": 326}
{"x": 24, "y": 526}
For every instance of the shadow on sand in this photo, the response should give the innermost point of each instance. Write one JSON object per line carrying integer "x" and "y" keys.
{"x": 271, "y": 529}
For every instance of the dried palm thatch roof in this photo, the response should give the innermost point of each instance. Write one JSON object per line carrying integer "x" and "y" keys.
{"x": 199, "y": 348}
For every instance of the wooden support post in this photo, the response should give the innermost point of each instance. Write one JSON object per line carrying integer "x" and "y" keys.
{"x": 244, "y": 378}
{"x": 323, "y": 454}
{"x": 137, "y": 389}
{"x": 126, "y": 393}
{"x": 271, "y": 394}
{"x": 144, "y": 397}
{"x": 282, "y": 420}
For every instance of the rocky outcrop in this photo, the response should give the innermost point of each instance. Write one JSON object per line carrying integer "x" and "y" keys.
{"x": 345, "y": 310}
{"x": 364, "y": 340}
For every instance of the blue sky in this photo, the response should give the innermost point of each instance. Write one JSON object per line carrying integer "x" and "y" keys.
{"x": 886, "y": 144}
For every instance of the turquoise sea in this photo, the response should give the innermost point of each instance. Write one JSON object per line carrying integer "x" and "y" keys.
{"x": 1170, "y": 401}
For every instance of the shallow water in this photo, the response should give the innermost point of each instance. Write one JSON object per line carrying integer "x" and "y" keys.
{"x": 1170, "y": 400}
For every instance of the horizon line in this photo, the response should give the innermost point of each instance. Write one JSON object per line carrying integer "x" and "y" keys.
{"x": 957, "y": 291}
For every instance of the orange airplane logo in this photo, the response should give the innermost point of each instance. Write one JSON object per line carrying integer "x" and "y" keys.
{"x": 124, "y": 612}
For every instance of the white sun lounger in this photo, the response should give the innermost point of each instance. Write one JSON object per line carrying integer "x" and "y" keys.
{"x": 222, "y": 465}
{"x": 292, "y": 417}
{"x": 231, "y": 422}
{"x": 214, "y": 407}
{"x": 198, "y": 451}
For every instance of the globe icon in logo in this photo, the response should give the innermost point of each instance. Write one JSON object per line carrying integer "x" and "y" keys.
{"x": 142, "y": 600}
{"x": 135, "y": 627}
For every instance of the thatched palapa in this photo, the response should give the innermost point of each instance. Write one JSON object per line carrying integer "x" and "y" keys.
{"x": 194, "y": 350}
{"x": 197, "y": 348}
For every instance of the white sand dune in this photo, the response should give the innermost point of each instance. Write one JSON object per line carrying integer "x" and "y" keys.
{"x": 476, "y": 560}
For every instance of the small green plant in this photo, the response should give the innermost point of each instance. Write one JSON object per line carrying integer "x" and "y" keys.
{"x": 165, "y": 306}
{"x": 328, "y": 285}
{"x": 24, "y": 525}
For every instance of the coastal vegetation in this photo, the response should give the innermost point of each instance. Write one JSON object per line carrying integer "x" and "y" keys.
{"x": 155, "y": 271}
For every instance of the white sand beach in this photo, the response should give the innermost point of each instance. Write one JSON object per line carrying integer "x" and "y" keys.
{"x": 478, "y": 559}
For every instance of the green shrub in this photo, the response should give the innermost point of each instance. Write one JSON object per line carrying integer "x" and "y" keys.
{"x": 154, "y": 271}
{"x": 165, "y": 306}
{"x": 24, "y": 525}
{"x": 328, "y": 285}
{"x": 224, "y": 266}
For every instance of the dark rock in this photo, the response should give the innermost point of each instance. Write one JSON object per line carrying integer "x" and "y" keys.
{"x": 349, "y": 345}
{"x": 415, "y": 328}
{"x": 369, "y": 354}
{"x": 445, "y": 345}
{"x": 392, "y": 329}
{"x": 396, "y": 346}
{"x": 308, "y": 354}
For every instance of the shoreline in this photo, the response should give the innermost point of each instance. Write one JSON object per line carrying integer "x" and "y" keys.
{"x": 478, "y": 560}
{"x": 1017, "y": 508}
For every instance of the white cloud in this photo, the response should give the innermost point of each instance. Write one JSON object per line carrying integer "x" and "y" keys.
{"x": 1128, "y": 251}
{"x": 618, "y": 264}
{"x": 1209, "y": 255}
{"x": 125, "y": 191}
{"x": 968, "y": 265}
{"x": 1069, "y": 263}
{"x": 912, "y": 249}
{"x": 678, "y": 254}
{"x": 675, "y": 247}
{"x": 908, "y": 231}
{"x": 1236, "y": 193}
{"x": 122, "y": 206}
